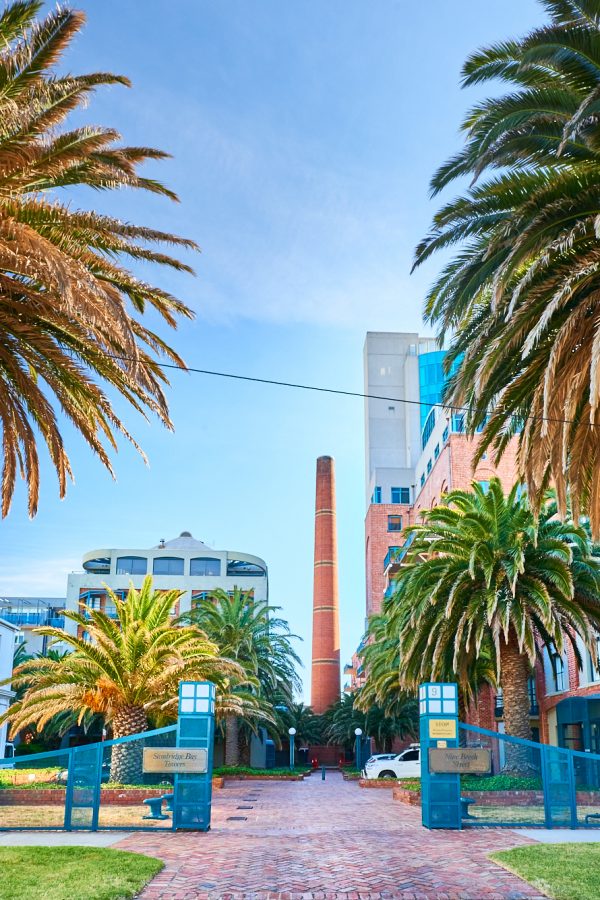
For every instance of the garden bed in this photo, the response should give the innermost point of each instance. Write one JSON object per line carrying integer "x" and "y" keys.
{"x": 377, "y": 782}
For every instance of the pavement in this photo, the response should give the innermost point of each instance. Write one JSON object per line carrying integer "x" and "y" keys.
{"x": 560, "y": 835}
{"x": 325, "y": 840}
{"x": 60, "y": 838}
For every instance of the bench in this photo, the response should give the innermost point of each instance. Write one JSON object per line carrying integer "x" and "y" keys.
{"x": 465, "y": 802}
{"x": 591, "y": 816}
{"x": 155, "y": 805}
{"x": 168, "y": 798}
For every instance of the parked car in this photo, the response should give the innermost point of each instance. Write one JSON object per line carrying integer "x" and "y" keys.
{"x": 395, "y": 765}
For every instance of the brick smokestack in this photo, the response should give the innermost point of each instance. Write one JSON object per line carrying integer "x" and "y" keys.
{"x": 325, "y": 685}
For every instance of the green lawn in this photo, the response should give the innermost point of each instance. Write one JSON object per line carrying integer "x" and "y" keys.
{"x": 562, "y": 871}
{"x": 59, "y": 873}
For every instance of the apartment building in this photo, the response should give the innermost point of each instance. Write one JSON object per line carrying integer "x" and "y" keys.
{"x": 184, "y": 563}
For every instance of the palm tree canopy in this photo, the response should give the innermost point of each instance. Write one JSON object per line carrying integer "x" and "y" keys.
{"x": 481, "y": 570}
{"x": 249, "y": 632}
{"x": 70, "y": 307}
{"x": 135, "y": 661}
{"x": 520, "y": 291}
{"x": 309, "y": 726}
{"x": 350, "y": 712}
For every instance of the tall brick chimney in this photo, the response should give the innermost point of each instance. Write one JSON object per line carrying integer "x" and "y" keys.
{"x": 325, "y": 685}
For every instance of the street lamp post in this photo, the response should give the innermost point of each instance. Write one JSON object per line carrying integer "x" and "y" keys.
{"x": 358, "y": 733}
{"x": 292, "y": 732}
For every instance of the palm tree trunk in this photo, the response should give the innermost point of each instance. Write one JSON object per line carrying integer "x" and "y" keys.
{"x": 514, "y": 675}
{"x": 126, "y": 759}
{"x": 232, "y": 741}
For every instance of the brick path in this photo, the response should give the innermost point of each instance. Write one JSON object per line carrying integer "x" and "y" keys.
{"x": 325, "y": 841}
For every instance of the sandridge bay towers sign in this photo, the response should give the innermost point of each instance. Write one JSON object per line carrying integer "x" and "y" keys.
{"x": 171, "y": 760}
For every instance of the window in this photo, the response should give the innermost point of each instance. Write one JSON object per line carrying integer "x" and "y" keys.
{"x": 205, "y": 565}
{"x": 242, "y": 567}
{"x": 409, "y": 756}
{"x": 428, "y": 466}
{"x": 376, "y": 498}
{"x": 560, "y": 674}
{"x": 423, "y": 480}
{"x": 594, "y": 672}
{"x": 394, "y": 523}
{"x": 168, "y": 565}
{"x": 484, "y": 485}
{"x": 132, "y": 565}
{"x": 401, "y": 495}
{"x": 428, "y": 428}
{"x": 534, "y": 709}
{"x": 445, "y": 434}
{"x": 436, "y": 451}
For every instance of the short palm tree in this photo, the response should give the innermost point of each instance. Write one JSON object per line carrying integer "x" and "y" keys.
{"x": 250, "y": 633}
{"x": 521, "y": 291}
{"x": 351, "y": 712}
{"x": 483, "y": 578}
{"x": 127, "y": 670}
{"x": 308, "y": 725}
{"x": 70, "y": 329}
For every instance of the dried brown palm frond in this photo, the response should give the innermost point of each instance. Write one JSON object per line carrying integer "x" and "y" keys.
{"x": 68, "y": 302}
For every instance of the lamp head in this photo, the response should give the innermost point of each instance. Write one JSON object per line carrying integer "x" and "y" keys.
{"x": 291, "y": 731}
{"x": 358, "y": 732}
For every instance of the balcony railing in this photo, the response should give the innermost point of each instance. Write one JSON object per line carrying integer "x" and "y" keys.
{"x": 395, "y": 555}
{"x": 32, "y": 618}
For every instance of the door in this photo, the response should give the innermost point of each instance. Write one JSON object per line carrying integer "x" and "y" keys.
{"x": 83, "y": 788}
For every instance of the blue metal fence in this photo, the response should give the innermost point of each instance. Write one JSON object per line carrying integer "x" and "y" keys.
{"x": 95, "y": 786}
{"x": 529, "y": 784}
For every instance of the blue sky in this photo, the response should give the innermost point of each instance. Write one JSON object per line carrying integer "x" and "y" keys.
{"x": 303, "y": 138}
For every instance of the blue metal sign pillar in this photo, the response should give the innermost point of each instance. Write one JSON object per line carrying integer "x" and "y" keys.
{"x": 195, "y": 730}
{"x": 438, "y": 726}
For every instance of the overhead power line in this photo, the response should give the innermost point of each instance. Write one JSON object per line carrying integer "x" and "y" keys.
{"x": 327, "y": 390}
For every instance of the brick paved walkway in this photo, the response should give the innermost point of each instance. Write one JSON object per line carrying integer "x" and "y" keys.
{"x": 325, "y": 841}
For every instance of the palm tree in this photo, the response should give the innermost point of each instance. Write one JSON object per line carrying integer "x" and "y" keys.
{"x": 341, "y": 719}
{"x": 483, "y": 578}
{"x": 308, "y": 725}
{"x": 248, "y": 632}
{"x": 521, "y": 291}
{"x": 128, "y": 670}
{"x": 71, "y": 335}
{"x": 387, "y": 677}
{"x": 352, "y": 711}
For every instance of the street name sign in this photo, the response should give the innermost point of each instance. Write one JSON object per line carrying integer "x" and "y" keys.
{"x": 460, "y": 761}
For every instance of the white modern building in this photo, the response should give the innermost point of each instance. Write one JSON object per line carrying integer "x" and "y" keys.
{"x": 183, "y": 563}
{"x": 7, "y": 649}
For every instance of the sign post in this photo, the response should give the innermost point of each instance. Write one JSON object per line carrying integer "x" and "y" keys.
{"x": 438, "y": 726}
{"x": 192, "y": 761}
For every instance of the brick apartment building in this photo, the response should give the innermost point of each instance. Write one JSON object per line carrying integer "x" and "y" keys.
{"x": 414, "y": 453}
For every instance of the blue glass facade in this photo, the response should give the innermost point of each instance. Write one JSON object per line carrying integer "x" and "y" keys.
{"x": 431, "y": 381}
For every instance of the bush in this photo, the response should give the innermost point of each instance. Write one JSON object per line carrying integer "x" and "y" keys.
{"x": 500, "y": 783}
{"x": 247, "y": 770}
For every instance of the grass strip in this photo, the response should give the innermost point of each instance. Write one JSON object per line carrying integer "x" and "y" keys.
{"x": 561, "y": 871}
{"x": 87, "y": 873}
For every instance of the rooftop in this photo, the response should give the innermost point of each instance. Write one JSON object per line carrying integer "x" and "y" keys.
{"x": 185, "y": 541}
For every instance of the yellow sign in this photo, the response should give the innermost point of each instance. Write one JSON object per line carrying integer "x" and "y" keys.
{"x": 175, "y": 760}
{"x": 442, "y": 728}
{"x": 459, "y": 760}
